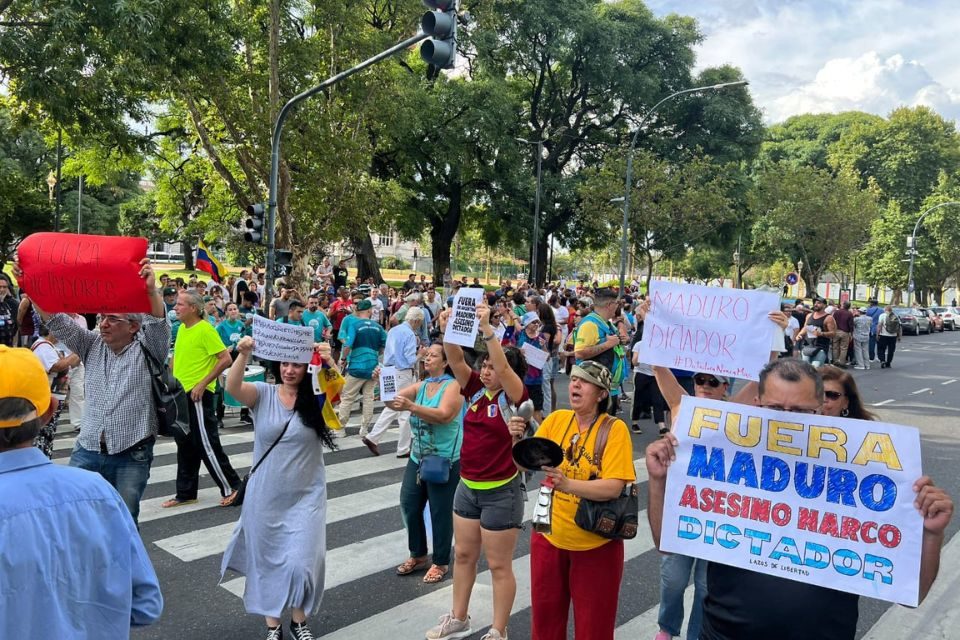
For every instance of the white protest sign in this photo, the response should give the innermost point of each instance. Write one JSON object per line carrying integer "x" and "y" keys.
{"x": 825, "y": 501}
{"x": 281, "y": 342}
{"x": 388, "y": 383}
{"x": 708, "y": 329}
{"x": 536, "y": 358}
{"x": 462, "y": 326}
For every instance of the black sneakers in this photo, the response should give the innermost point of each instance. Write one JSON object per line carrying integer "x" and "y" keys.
{"x": 300, "y": 631}
{"x": 275, "y": 633}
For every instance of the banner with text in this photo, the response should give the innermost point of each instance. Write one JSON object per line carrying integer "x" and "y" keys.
{"x": 826, "y": 501}
{"x": 67, "y": 272}
{"x": 462, "y": 326}
{"x": 388, "y": 383}
{"x": 709, "y": 329}
{"x": 281, "y": 342}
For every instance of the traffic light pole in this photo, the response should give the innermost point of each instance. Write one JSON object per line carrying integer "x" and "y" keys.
{"x": 275, "y": 146}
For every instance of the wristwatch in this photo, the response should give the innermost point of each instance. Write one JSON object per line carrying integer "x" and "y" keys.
{"x": 490, "y": 337}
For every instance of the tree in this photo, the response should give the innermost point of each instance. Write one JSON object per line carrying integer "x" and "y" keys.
{"x": 807, "y": 214}
{"x": 24, "y": 206}
{"x": 806, "y": 140}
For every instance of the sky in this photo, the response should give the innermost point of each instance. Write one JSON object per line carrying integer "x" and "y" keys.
{"x": 818, "y": 56}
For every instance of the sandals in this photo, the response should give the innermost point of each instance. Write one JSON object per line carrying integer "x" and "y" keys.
{"x": 410, "y": 565}
{"x": 228, "y": 501}
{"x": 436, "y": 574}
{"x": 173, "y": 502}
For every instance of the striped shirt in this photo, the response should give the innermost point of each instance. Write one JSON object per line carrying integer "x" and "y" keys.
{"x": 119, "y": 397}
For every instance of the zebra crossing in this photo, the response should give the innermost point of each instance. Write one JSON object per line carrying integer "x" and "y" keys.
{"x": 364, "y": 599}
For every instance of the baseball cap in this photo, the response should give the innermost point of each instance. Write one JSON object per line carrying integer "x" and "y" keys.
{"x": 22, "y": 376}
{"x": 720, "y": 379}
{"x": 169, "y": 291}
{"x": 529, "y": 317}
{"x": 594, "y": 373}
{"x": 364, "y": 305}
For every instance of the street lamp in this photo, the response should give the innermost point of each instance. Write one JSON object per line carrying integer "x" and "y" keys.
{"x": 633, "y": 144}
{"x": 912, "y": 244}
{"x": 536, "y": 210}
{"x": 799, "y": 278}
{"x": 51, "y": 183}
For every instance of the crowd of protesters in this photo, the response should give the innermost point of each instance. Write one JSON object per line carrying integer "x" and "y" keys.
{"x": 460, "y": 412}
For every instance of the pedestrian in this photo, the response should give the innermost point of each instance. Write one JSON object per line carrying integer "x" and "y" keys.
{"x": 199, "y": 358}
{"x": 9, "y": 307}
{"x": 362, "y": 344}
{"x": 819, "y": 329}
{"x": 280, "y": 541}
{"x": 748, "y": 604}
{"x": 57, "y": 364}
{"x": 554, "y": 336}
{"x": 488, "y": 505}
{"x": 889, "y": 332}
{"x": 74, "y": 563}
{"x": 230, "y": 330}
{"x": 401, "y": 352}
{"x": 841, "y": 397}
{"x": 790, "y": 333}
{"x": 533, "y": 380}
{"x": 597, "y": 339}
{"x": 841, "y": 341}
{"x": 119, "y": 425}
{"x": 873, "y": 311}
{"x": 646, "y": 395}
{"x": 436, "y": 412}
{"x": 571, "y": 565}
{"x": 862, "y": 326}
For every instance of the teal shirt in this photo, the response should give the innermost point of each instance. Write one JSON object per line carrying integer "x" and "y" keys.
{"x": 345, "y": 327}
{"x": 443, "y": 440}
{"x": 319, "y": 321}
{"x": 231, "y": 332}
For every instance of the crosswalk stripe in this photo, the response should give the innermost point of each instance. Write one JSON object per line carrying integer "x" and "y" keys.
{"x": 645, "y": 625}
{"x": 163, "y": 447}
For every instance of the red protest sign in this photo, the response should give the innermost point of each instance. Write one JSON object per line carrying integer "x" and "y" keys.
{"x": 65, "y": 272}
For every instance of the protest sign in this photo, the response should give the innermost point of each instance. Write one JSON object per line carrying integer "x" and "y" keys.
{"x": 462, "y": 326}
{"x": 709, "y": 329}
{"x": 281, "y": 342}
{"x": 826, "y": 501}
{"x": 536, "y": 358}
{"x": 68, "y": 272}
{"x": 388, "y": 383}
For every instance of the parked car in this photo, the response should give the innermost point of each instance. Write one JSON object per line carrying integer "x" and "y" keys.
{"x": 936, "y": 322}
{"x": 912, "y": 320}
{"x": 949, "y": 316}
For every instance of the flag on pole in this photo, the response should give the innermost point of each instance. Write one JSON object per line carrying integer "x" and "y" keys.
{"x": 207, "y": 262}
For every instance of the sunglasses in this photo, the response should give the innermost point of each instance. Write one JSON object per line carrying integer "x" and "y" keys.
{"x": 702, "y": 381}
{"x": 833, "y": 395}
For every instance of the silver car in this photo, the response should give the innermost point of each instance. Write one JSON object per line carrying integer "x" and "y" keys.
{"x": 912, "y": 320}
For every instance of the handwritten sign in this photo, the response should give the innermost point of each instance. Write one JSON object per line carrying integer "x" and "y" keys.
{"x": 826, "y": 501}
{"x": 463, "y": 326}
{"x": 709, "y": 329}
{"x": 536, "y": 358}
{"x": 67, "y": 272}
{"x": 282, "y": 342}
{"x": 388, "y": 383}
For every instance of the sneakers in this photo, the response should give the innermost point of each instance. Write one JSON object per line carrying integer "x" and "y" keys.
{"x": 636, "y": 428}
{"x": 662, "y": 635}
{"x": 300, "y": 631}
{"x": 275, "y": 633}
{"x": 492, "y": 634}
{"x": 374, "y": 449}
{"x": 450, "y": 628}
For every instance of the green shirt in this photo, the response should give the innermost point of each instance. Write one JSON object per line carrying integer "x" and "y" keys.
{"x": 319, "y": 321}
{"x": 195, "y": 354}
{"x": 230, "y": 332}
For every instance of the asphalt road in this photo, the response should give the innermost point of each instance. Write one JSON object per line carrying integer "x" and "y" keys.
{"x": 364, "y": 600}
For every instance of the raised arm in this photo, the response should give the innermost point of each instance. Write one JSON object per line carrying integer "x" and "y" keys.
{"x": 454, "y": 352}
{"x": 244, "y": 392}
{"x": 670, "y": 389}
{"x": 509, "y": 380}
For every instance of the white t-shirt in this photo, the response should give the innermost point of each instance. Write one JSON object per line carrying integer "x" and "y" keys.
{"x": 793, "y": 325}
{"x": 377, "y": 309}
{"x": 641, "y": 367}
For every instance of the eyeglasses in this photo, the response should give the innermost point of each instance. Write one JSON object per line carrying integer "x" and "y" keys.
{"x": 833, "y": 395}
{"x": 777, "y": 407}
{"x": 702, "y": 381}
{"x": 113, "y": 319}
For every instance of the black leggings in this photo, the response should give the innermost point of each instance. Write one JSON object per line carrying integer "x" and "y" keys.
{"x": 646, "y": 394}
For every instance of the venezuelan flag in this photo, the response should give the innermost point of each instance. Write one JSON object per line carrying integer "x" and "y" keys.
{"x": 330, "y": 383}
{"x": 207, "y": 262}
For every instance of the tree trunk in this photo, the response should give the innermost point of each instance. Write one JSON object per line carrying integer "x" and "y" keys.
{"x": 367, "y": 264}
{"x": 540, "y": 276}
{"x": 649, "y": 270}
{"x": 442, "y": 232}
{"x": 187, "y": 247}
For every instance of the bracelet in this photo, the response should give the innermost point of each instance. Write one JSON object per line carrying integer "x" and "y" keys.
{"x": 489, "y": 337}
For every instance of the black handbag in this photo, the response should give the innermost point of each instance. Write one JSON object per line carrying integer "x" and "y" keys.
{"x": 169, "y": 398}
{"x": 242, "y": 489}
{"x": 616, "y": 519}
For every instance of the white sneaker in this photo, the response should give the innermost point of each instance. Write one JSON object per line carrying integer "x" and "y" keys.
{"x": 492, "y": 634}
{"x": 450, "y": 628}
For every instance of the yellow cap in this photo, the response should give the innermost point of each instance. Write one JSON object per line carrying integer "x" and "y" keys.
{"x": 22, "y": 376}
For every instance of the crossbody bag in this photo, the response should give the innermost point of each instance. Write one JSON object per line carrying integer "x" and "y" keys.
{"x": 242, "y": 489}
{"x": 616, "y": 519}
{"x": 434, "y": 468}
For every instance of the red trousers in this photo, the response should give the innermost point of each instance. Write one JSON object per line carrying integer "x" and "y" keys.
{"x": 590, "y": 578}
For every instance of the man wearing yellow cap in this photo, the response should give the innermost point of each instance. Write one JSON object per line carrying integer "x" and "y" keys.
{"x": 75, "y": 566}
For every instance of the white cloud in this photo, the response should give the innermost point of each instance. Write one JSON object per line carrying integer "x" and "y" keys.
{"x": 830, "y": 55}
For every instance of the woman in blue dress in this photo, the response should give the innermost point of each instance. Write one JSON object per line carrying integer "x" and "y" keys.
{"x": 279, "y": 543}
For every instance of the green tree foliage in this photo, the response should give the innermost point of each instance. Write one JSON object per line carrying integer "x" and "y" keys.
{"x": 24, "y": 203}
{"x": 806, "y": 140}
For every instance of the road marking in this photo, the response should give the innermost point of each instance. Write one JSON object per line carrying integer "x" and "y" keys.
{"x": 880, "y": 404}
{"x": 919, "y": 391}
{"x": 645, "y": 625}
{"x": 948, "y": 382}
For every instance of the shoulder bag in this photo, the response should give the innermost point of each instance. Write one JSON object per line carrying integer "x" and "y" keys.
{"x": 242, "y": 489}
{"x": 434, "y": 468}
{"x": 169, "y": 398}
{"x": 616, "y": 519}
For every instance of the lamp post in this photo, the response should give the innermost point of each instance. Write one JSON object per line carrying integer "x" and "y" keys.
{"x": 912, "y": 244}
{"x": 633, "y": 144}
{"x": 800, "y": 278}
{"x": 536, "y": 210}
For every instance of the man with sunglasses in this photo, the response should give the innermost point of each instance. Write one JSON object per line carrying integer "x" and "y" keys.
{"x": 747, "y": 604}
{"x": 118, "y": 429}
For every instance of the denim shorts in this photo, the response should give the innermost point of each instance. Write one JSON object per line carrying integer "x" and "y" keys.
{"x": 497, "y": 509}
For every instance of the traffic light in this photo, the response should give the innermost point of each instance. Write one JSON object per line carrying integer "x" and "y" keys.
{"x": 441, "y": 25}
{"x": 254, "y": 223}
{"x": 284, "y": 264}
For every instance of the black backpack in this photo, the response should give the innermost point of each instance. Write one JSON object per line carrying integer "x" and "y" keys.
{"x": 169, "y": 398}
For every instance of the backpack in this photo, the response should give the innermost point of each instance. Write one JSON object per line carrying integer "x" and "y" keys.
{"x": 892, "y": 324}
{"x": 613, "y": 359}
